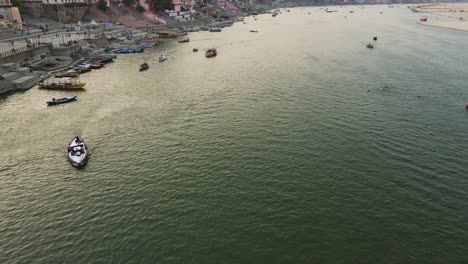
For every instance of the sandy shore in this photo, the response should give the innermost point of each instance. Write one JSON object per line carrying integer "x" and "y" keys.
{"x": 458, "y": 11}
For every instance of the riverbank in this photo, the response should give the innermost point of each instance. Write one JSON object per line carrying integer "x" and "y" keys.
{"x": 457, "y": 11}
{"x": 97, "y": 39}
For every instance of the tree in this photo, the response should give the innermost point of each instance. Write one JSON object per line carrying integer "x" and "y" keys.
{"x": 19, "y": 4}
{"x": 128, "y": 3}
{"x": 102, "y": 4}
{"x": 161, "y": 5}
{"x": 140, "y": 8}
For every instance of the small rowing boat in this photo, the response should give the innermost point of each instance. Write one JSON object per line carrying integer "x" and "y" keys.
{"x": 61, "y": 100}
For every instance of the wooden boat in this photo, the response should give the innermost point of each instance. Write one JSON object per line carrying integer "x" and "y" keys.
{"x": 129, "y": 50}
{"x": 83, "y": 68}
{"x": 77, "y": 152}
{"x": 195, "y": 50}
{"x": 424, "y": 19}
{"x": 215, "y": 30}
{"x": 144, "y": 66}
{"x": 211, "y": 53}
{"x": 187, "y": 40}
{"x": 253, "y": 31}
{"x": 61, "y": 100}
{"x": 67, "y": 85}
{"x": 70, "y": 73}
{"x": 96, "y": 66}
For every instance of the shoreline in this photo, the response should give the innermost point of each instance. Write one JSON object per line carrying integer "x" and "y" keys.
{"x": 457, "y": 12}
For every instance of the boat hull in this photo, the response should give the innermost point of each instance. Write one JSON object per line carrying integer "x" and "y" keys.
{"x": 78, "y": 86}
{"x": 61, "y": 101}
{"x": 77, "y": 153}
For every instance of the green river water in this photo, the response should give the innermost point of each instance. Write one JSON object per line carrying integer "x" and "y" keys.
{"x": 296, "y": 144}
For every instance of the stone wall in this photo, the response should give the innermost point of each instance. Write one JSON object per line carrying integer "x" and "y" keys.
{"x": 65, "y": 51}
{"x": 24, "y": 54}
{"x": 33, "y": 8}
{"x": 69, "y": 13}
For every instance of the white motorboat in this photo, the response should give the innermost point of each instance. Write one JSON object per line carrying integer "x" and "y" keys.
{"x": 78, "y": 152}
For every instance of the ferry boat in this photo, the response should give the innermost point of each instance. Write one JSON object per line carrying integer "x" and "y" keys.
{"x": 62, "y": 85}
{"x": 77, "y": 152}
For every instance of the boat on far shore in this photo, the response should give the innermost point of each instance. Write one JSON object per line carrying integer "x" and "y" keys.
{"x": 187, "y": 40}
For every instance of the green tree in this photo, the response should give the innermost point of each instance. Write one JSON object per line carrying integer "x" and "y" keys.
{"x": 161, "y": 5}
{"x": 102, "y": 4}
{"x": 128, "y": 3}
{"x": 140, "y": 8}
{"x": 19, "y": 4}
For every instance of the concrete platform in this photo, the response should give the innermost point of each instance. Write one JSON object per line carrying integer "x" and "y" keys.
{"x": 26, "y": 82}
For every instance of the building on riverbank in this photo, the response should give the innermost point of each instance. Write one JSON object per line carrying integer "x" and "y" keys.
{"x": 65, "y": 11}
{"x": 9, "y": 15}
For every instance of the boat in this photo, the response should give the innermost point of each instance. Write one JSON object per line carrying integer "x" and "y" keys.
{"x": 77, "y": 152}
{"x": 253, "y": 31}
{"x": 104, "y": 57}
{"x": 61, "y": 100}
{"x": 162, "y": 58}
{"x": 144, "y": 66}
{"x": 195, "y": 50}
{"x": 129, "y": 50}
{"x": 96, "y": 66}
{"x": 70, "y": 73}
{"x": 215, "y": 30}
{"x": 184, "y": 40}
{"x": 211, "y": 53}
{"x": 83, "y": 68}
{"x": 370, "y": 46}
{"x": 424, "y": 19}
{"x": 59, "y": 85}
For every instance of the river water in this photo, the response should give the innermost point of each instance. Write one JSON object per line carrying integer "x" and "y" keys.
{"x": 296, "y": 144}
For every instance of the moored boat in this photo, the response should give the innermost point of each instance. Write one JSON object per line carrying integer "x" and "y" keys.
{"x": 215, "y": 30}
{"x": 62, "y": 85}
{"x": 70, "y": 73}
{"x": 129, "y": 50}
{"x": 211, "y": 53}
{"x": 253, "y": 31}
{"x": 61, "y": 100}
{"x": 96, "y": 66}
{"x": 184, "y": 40}
{"x": 77, "y": 152}
{"x": 424, "y": 19}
